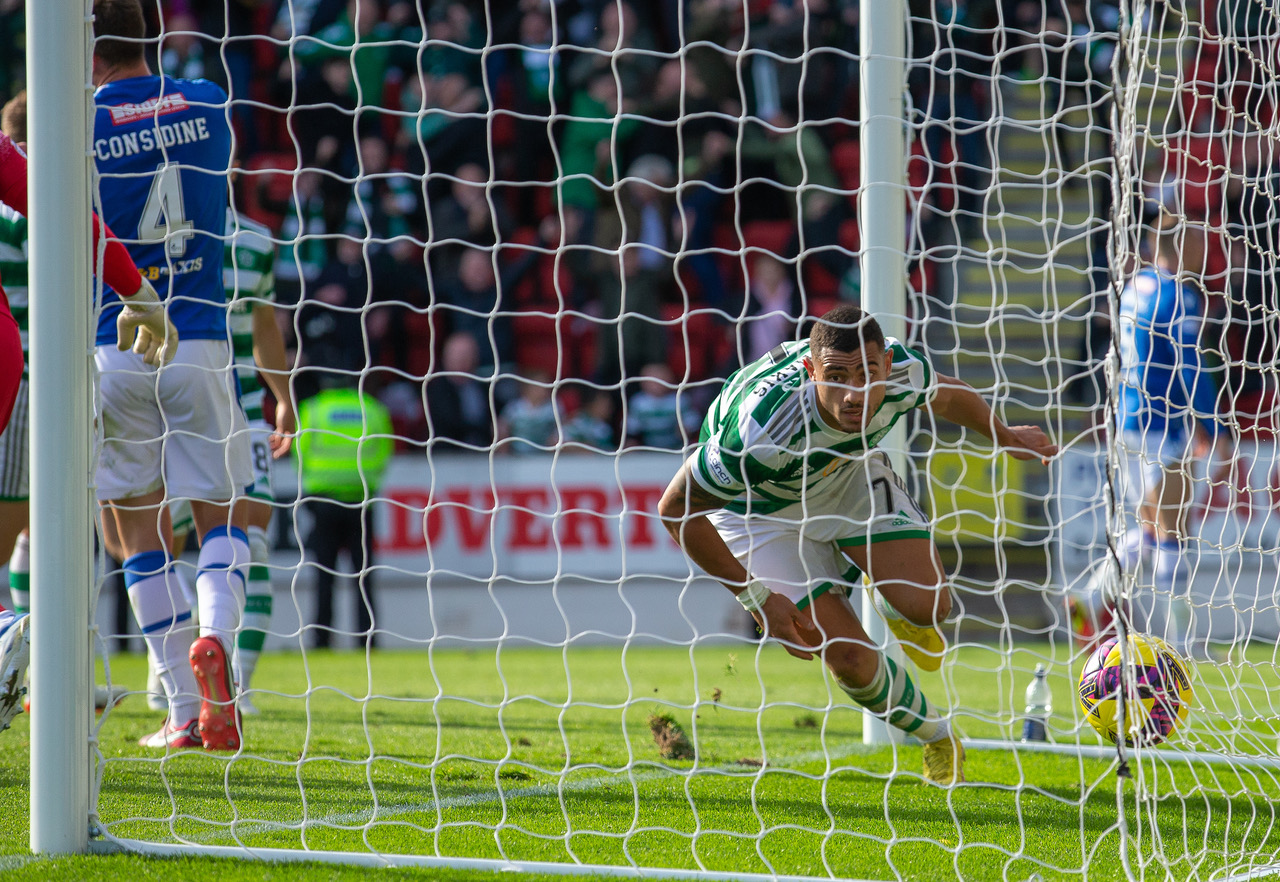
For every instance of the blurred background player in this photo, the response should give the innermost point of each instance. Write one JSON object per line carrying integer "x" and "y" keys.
{"x": 345, "y": 442}
{"x": 258, "y": 348}
{"x": 660, "y": 415}
{"x": 163, "y": 149}
{"x": 1167, "y": 410}
{"x": 787, "y": 480}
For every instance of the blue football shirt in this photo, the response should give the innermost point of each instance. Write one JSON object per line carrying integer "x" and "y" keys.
{"x": 162, "y": 147}
{"x": 1162, "y": 380}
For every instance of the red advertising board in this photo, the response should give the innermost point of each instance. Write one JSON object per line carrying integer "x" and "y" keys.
{"x": 581, "y": 514}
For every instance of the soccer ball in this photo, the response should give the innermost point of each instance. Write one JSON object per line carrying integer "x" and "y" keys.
{"x": 1157, "y": 690}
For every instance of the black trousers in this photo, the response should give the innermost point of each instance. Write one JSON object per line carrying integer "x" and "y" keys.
{"x": 336, "y": 527}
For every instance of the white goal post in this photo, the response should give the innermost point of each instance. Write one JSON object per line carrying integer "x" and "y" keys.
{"x": 61, "y": 669}
{"x": 554, "y": 688}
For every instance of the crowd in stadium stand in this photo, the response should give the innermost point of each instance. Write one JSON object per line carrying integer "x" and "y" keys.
{"x": 500, "y": 198}
{"x": 553, "y": 223}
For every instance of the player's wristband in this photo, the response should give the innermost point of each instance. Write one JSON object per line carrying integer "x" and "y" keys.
{"x": 753, "y": 596}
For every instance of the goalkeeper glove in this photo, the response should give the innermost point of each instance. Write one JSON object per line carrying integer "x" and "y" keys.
{"x": 144, "y": 326}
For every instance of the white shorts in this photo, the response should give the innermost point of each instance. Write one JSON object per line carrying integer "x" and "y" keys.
{"x": 799, "y": 551}
{"x": 180, "y": 428}
{"x": 15, "y": 454}
{"x": 1145, "y": 458}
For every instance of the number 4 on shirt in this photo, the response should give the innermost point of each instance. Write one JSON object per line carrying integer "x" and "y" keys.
{"x": 163, "y": 217}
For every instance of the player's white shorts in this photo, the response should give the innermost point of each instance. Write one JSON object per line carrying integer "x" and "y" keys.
{"x": 15, "y": 456}
{"x": 799, "y": 551}
{"x": 180, "y": 427}
{"x": 1145, "y": 458}
{"x": 259, "y": 431}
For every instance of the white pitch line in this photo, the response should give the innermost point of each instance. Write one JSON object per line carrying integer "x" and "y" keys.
{"x": 1268, "y": 872}
{"x": 600, "y": 782}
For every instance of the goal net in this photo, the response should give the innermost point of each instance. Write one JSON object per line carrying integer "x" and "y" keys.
{"x": 542, "y": 236}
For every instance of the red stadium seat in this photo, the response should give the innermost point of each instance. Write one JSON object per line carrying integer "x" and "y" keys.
{"x": 1198, "y": 162}
{"x": 846, "y": 161}
{"x": 850, "y": 236}
{"x": 818, "y": 306}
{"x": 422, "y": 331}
{"x": 819, "y": 283}
{"x": 537, "y": 344}
{"x": 697, "y": 342}
{"x": 563, "y": 344}
{"x": 773, "y": 236}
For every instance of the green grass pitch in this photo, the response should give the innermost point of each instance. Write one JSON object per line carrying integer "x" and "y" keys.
{"x": 537, "y": 754}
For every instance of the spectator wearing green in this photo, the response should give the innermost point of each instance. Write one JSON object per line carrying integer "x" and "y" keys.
{"x": 344, "y": 445}
{"x": 359, "y": 36}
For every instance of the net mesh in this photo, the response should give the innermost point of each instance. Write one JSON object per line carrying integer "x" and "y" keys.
{"x": 543, "y": 235}
{"x": 1195, "y": 157}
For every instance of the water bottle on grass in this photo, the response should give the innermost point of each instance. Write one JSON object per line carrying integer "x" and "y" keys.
{"x": 1039, "y": 706}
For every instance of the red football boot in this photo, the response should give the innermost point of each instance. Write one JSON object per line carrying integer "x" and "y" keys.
{"x": 219, "y": 724}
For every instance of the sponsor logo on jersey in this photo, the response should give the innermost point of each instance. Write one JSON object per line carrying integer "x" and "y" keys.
{"x": 123, "y": 114}
{"x": 766, "y": 384}
{"x": 832, "y": 467}
{"x": 179, "y": 268}
{"x": 714, "y": 463}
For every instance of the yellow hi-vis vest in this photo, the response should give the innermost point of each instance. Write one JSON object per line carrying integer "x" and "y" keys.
{"x": 344, "y": 444}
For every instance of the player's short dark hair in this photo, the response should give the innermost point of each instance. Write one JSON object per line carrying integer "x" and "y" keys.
{"x": 847, "y": 328}
{"x": 121, "y": 19}
{"x": 13, "y": 119}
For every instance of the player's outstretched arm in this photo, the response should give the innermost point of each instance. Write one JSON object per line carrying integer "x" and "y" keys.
{"x": 269, "y": 355}
{"x": 683, "y": 509}
{"x": 959, "y": 403}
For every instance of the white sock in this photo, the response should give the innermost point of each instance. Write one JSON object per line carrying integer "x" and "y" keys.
{"x": 257, "y": 607}
{"x": 1171, "y": 587}
{"x": 885, "y": 608}
{"x": 164, "y": 616}
{"x": 222, "y": 569}
{"x": 1170, "y": 568}
{"x": 892, "y": 695}
{"x": 189, "y": 599}
{"x": 20, "y": 574}
{"x": 188, "y": 591}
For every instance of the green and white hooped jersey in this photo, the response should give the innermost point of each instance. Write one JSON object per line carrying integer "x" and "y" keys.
{"x": 13, "y": 269}
{"x": 247, "y": 275}
{"x": 764, "y": 445}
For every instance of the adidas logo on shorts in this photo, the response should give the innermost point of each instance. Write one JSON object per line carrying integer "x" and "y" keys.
{"x": 903, "y": 520}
